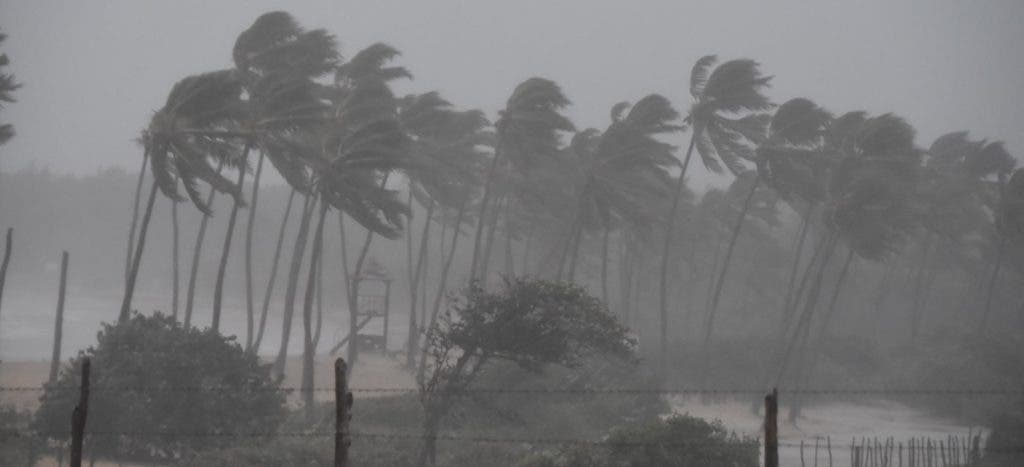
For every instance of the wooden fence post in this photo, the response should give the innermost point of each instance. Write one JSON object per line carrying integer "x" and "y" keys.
{"x": 58, "y": 322}
{"x": 78, "y": 417}
{"x": 342, "y": 413}
{"x": 771, "y": 429}
{"x": 6, "y": 261}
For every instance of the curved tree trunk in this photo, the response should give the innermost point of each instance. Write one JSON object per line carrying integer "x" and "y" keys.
{"x": 298, "y": 252}
{"x": 319, "y": 299}
{"x": 441, "y": 290}
{"x": 489, "y": 245}
{"x": 720, "y": 282}
{"x": 797, "y": 405}
{"x": 352, "y": 352}
{"x": 175, "y": 260}
{"x": 796, "y": 257}
{"x": 604, "y": 266}
{"x": 919, "y": 276}
{"x": 218, "y": 289}
{"x": 129, "y": 288}
{"x": 491, "y": 172}
{"x": 992, "y": 284}
{"x": 308, "y": 349}
{"x": 666, "y": 254}
{"x": 249, "y": 316}
{"x": 197, "y": 251}
{"x": 135, "y": 216}
{"x": 268, "y": 292}
{"x": 414, "y": 287}
{"x": 6, "y": 261}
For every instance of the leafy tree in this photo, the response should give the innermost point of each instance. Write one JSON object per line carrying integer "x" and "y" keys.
{"x": 208, "y": 385}
{"x": 530, "y": 322}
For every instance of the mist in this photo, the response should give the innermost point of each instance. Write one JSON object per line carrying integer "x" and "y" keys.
{"x": 517, "y": 233}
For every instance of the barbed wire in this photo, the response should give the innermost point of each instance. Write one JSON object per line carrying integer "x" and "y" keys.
{"x": 399, "y": 436}
{"x": 556, "y": 391}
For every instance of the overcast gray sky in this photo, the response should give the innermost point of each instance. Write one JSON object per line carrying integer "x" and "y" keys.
{"x": 94, "y": 71}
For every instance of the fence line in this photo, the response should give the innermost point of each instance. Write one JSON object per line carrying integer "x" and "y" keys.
{"x": 535, "y": 391}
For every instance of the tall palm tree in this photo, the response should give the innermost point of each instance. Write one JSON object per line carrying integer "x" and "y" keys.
{"x": 181, "y": 139}
{"x": 7, "y": 87}
{"x": 444, "y": 158}
{"x": 278, "y": 61}
{"x": 793, "y": 135}
{"x": 527, "y": 132}
{"x": 1009, "y": 223}
{"x": 724, "y": 116}
{"x": 623, "y": 171}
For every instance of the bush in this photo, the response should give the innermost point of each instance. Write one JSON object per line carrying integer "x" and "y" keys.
{"x": 678, "y": 441}
{"x": 18, "y": 444}
{"x": 145, "y": 404}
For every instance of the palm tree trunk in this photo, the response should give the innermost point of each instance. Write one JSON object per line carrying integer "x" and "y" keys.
{"x": 794, "y": 409}
{"x": 273, "y": 275}
{"x": 574, "y": 244}
{"x": 412, "y": 340}
{"x": 196, "y": 254}
{"x": 992, "y": 284}
{"x": 441, "y": 289}
{"x": 488, "y": 185}
{"x": 491, "y": 230}
{"x": 510, "y": 268}
{"x": 317, "y": 332}
{"x": 218, "y": 290}
{"x": 129, "y": 288}
{"x": 796, "y": 257}
{"x": 298, "y": 251}
{"x": 915, "y": 307}
{"x": 352, "y": 352}
{"x": 249, "y": 316}
{"x": 666, "y": 253}
{"x": 720, "y": 283}
{"x": 135, "y": 215}
{"x": 58, "y": 327}
{"x": 307, "y": 316}
{"x": 175, "y": 260}
{"x": 604, "y": 265}
{"x": 6, "y": 261}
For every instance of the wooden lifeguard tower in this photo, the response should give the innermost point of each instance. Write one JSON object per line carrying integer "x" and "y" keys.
{"x": 373, "y": 300}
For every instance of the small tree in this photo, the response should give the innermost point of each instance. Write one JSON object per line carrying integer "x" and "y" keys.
{"x": 161, "y": 390}
{"x": 529, "y": 322}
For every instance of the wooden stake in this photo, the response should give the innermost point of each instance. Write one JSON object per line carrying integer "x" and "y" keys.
{"x": 78, "y": 417}
{"x": 771, "y": 429}
{"x": 342, "y": 413}
{"x": 58, "y": 322}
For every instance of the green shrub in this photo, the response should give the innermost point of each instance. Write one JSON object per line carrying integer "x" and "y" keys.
{"x": 19, "y": 445}
{"x": 161, "y": 391}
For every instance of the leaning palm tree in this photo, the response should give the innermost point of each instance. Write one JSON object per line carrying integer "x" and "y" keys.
{"x": 278, "y": 61}
{"x": 1009, "y": 226}
{"x": 191, "y": 129}
{"x": 527, "y": 133}
{"x": 7, "y": 87}
{"x": 444, "y": 157}
{"x": 623, "y": 171}
{"x": 791, "y": 140}
{"x": 725, "y": 117}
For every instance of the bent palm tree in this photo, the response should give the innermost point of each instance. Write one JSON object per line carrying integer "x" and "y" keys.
{"x": 732, "y": 89}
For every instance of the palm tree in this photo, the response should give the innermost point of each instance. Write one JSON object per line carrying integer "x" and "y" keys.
{"x": 255, "y": 347}
{"x": 725, "y": 114}
{"x": 445, "y": 158}
{"x": 527, "y": 133}
{"x": 623, "y": 171}
{"x": 1009, "y": 222}
{"x": 279, "y": 60}
{"x": 182, "y": 137}
{"x": 7, "y": 87}
{"x": 795, "y": 133}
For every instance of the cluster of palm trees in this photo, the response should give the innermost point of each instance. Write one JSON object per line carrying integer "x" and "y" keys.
{"x": 552, "y": 199}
